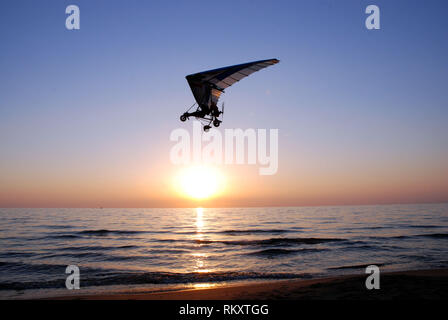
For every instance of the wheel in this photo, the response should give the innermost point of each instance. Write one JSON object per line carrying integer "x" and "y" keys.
{"x": 183, "y": 118}
{"x": 216, "y": 123}
{"x": 206, "y": 128}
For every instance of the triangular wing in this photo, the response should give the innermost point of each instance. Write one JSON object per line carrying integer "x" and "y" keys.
{"x": 210, "y": 84}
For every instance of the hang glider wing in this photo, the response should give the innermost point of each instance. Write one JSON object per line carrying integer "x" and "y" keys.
{"x": 207, "y": 86}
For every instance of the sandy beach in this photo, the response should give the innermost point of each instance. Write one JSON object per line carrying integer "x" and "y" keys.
{"x": 422, "y": 284}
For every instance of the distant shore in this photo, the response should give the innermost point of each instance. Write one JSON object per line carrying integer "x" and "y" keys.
{"x": 421, "y": 284}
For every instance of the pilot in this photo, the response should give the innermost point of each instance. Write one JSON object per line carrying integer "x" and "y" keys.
{"x": 204, "y": 110}
{"x": 214, "y": 110}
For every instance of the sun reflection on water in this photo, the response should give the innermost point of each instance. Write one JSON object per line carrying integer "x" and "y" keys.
{"x": 199, "y": 220}
{"x": 204, "y": 285}
{"x": 199, "y": 257}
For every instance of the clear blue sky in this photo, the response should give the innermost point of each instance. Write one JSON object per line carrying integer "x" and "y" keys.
{"x": 341, "y": 95}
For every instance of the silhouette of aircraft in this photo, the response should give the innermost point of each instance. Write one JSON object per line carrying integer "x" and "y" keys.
{"x": 207, "y": 87}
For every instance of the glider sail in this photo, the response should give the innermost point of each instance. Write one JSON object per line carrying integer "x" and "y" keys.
{"x": 207, "y": 86}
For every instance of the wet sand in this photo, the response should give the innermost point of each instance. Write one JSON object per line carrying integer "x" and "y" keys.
{"x": 423, "y": 284}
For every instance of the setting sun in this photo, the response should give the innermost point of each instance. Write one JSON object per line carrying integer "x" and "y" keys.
{"x": 200, "y": 182}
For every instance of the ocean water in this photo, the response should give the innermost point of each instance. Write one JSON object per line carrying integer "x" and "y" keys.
{"x": 158, "y": 249}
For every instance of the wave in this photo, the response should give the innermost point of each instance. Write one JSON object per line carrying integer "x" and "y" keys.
{"x": 101, "y": 233}
{"x": 56, "y": 227}
{"x": 167, "y": 251}
{"x": 76, "y": 255}
{"x": 60, "y": 236}
{"x": 427, "y": 235}
{"x": 254, "y": 231}
{"x": 238, "y": 232}
{"x": 96, "y": 233}
{"x": 152, "y": 278}
{"x": 105, "y": 232}
{"x": 271, "y": 241}
{"x": 425, "y": 227}
{"x": 97, "y": 248}
{"x": 280, "y": 252}
{"x": 357, "y": 266}
{"x": 435, "y": 235}
{"x": 14, "y": 254}
{"x": 23, "y": 268}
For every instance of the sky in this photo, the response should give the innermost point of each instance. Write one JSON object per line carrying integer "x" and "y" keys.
{"x": 86, "y": 115}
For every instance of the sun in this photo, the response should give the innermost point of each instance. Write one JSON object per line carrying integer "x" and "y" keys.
{"x": 200, "y": 182}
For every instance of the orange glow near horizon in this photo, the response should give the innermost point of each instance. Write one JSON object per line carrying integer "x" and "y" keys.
{"x": 152, "y": 182}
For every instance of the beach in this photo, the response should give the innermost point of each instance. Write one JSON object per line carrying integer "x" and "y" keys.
{"x": 405, "y": 285}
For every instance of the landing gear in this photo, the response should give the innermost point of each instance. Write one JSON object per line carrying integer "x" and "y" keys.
{"x": 206, "y": 114}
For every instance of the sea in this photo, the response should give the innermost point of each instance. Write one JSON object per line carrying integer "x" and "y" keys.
{"x": 149, "y": 250}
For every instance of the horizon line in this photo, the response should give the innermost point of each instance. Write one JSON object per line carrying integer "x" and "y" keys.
{"x": 239, "y": 207}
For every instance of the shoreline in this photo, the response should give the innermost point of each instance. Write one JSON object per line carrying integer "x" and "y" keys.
{"x": 410, "y": 285}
